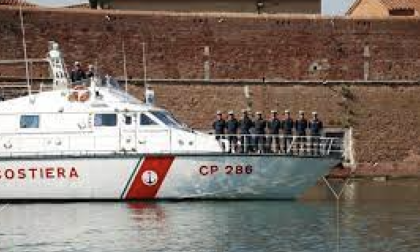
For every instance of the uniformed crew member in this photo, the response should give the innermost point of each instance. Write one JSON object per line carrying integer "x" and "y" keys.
{"x": 287, "y": 131}
{"x": 315, "y": 129}
{"x": 77, "y": 74}
{"x": 245, "y": 126}
{"x": 260, "y": 125}
{"x": 219, "y": 126}
{"x": 274, "y": 126}
{"x": 232, "y": 126}
{"x": 301, "y": 127}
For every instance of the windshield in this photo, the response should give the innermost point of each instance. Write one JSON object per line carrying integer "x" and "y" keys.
{"x": 166, "y": 118}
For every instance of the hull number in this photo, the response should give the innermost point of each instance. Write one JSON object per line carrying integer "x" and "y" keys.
{"x": 228, "y": 170}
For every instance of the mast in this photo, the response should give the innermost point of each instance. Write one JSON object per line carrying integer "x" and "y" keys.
{"x": 28, "y": 85}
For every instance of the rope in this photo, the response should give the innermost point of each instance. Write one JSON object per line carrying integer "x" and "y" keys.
{"x": 3, "y": 207}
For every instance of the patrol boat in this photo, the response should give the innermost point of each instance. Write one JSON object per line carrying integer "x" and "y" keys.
{"x": 94, "y": 141}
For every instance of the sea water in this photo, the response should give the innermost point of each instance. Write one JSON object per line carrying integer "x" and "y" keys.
{"x": 304, "y": 225}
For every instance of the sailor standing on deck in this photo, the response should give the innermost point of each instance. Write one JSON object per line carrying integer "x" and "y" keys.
{"x": 301, "y": 127}
{"x": 77, "y": 74}
{"x": 260, "y": 125}
{"x": 219, "y": 126}
{"x": 315, "y": 127}
{"x": 245, "y": 125}
{"x": 232, "y": 126}
{"x": 274, "y": 126}
{"x": 287, "y": 131}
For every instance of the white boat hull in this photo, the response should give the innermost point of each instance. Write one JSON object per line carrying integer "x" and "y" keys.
{"x": 160, "y": 177}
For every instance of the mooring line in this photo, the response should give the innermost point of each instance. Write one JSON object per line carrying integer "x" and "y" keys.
{"x": 4, "y": 207}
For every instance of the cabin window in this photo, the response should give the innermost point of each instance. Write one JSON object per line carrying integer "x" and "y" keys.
{"x": 105, "y": 120}
{"x": 166, "y": 118}
{"x": 29, "y": 121}
{"x": 146, "y": 120}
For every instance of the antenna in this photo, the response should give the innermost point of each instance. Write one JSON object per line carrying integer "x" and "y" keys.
{"x": 125, "y": 70}
{"x": 144, "y": 66}
{"x": 24, "y": 49}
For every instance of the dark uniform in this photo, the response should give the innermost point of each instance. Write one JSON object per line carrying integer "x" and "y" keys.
{"x": 77, "y": 74}
{"x": 301, "y": 127}
{"x": 219, "y": 127}
{"x": 232, "y": 126}
{"x": 274, "y": 126}
{"x": 245, "y": 126}
{"x": 315, "y": 128}
{"x": 260, "y": 125}
{"x": 288, "y": 125}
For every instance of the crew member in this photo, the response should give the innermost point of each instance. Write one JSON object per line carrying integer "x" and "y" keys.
{"x": 315, "y": 128}
{"x": 287, "y": 131}
{"x": 274, "y": 126}
{"x": 232, "y": 126}
{"x": 90, "y": 72}
{"x": 77, "y": 73}
{"x": 245, "y": 126}
{"x": 219, "y": 126}
{"x": 260, "y": 125}
{"x": 301, "y": 127}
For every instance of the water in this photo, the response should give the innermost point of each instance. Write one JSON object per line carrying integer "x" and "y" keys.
{"x": 357, "y": 225}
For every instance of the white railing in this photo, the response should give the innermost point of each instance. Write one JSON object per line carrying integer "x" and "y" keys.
{"x": 282, "y": 144}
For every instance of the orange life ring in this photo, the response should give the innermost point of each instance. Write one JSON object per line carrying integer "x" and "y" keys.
{"x": 84, "y": 97}
{"x": 79, "y": 87}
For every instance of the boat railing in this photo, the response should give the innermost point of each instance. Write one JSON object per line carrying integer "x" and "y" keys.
{"x": 282, "y": 144}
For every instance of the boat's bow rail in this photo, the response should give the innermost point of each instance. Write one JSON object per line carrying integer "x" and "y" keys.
{"x": 282, "y": 144}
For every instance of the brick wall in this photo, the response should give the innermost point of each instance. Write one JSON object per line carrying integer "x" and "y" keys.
{"x": 384, "y": 116}
{"x": 240, "y": 46}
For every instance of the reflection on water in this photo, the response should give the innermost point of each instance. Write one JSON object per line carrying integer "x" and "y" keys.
{"x": 212, "y": 226}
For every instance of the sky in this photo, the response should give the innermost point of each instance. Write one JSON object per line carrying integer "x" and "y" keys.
{"x": 329, "y": 7}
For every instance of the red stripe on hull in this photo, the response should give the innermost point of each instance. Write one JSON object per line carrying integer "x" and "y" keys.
{"x": 150, "y": 177}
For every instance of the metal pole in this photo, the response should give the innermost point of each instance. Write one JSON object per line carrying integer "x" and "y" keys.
{"x": 24, "y": 49}
{"x": 125, "y": 69}
{"x": 144, "y": 66}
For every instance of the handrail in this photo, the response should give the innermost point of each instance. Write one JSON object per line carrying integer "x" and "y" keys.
{"x": 281, "y": 144}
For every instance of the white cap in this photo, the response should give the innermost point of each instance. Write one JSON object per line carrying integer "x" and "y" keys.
{"x": 231, "y": 112}
{"x": 287, "y": 111}
{"x": 76, "y": 63}
{"x": 258, "y": 113}
{"x": 218, "y": 112}
{"x": 314, "y": 113}
{"x": 301, "y": 112}
{"x": 274, "y": 111}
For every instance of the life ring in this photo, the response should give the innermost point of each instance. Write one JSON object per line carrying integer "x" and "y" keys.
{"x": 84, "y": 96}
{"x": 80, "y": 93}
{"x": 79, "y": 87}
